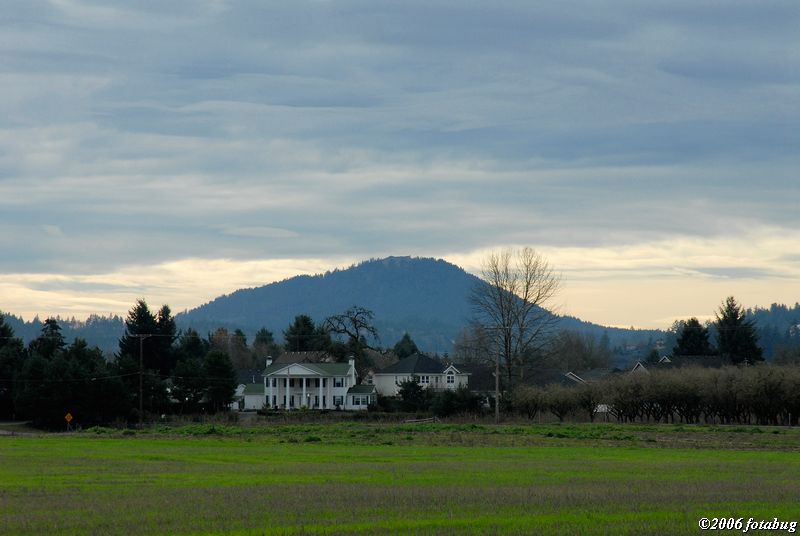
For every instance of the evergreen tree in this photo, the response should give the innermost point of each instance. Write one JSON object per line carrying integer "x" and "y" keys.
{"x": 166, "y": 334}
{"x": 50, "y": 343}
{"x": 405, "y": 347}
{"x": 221, "y": 380}
{"x": 736, "y": 337}
{"x": 154, "y": 335}
{"x": 264, "y": 346}
{"x": 189, "y": 383}
{"x": 11, "y": 354}
{"x": 692, "y": 339}
{"x": 304, "y": 336}
{"x": 191, "y": 346}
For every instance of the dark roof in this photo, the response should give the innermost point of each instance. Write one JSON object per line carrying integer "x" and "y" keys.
{"x": 415, "y": 364}
{"x": 361, "y": 389}
{"x": 708, "y": 361}
{"x": 545, "y": 377}
{"x": 303, "y": 357}
{"x": 245, "y": 376}
{"x": 592, "y": 375}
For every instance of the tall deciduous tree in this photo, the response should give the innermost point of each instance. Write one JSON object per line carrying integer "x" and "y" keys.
{"x": 513, "y": 303}
{"x": 692, "y": 339}
{"x": 356, "y": 325}
{"x": 737, "y": 340}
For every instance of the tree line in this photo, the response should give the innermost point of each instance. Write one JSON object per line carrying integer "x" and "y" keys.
{"x": 762, "y": 394}
{"x": 157, "y": 369}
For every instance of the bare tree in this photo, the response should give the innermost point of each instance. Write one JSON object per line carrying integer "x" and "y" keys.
{"x": 355, "y": 325}
{"x": 514, "y": 305}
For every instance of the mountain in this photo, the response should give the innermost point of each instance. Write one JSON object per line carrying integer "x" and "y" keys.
{"x": 428, "y": 298}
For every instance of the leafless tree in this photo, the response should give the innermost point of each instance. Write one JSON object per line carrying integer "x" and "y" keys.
{"x": 514, "y": 303}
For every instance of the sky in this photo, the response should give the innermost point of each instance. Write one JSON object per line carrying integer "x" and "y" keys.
{"x": 176, "y": 151}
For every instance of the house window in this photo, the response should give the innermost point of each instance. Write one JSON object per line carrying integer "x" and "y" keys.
{"x": 424, "y": 380}
{"x": 337, "y": 401}
{"x": 451, "y": 379}
{"x": 338, "y": 382}
{"x": 361, "y": 400}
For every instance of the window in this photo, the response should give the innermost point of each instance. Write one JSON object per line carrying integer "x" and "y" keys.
{"x": 361, "y": 400}
{"x": 451, "y": 379}
{"x": 338, "y": 382}
{"x": 424, "y": 380}
{"x": 337, "y": 401}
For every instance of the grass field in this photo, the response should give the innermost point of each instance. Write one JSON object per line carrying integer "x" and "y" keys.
{"x": 397, "y": 479}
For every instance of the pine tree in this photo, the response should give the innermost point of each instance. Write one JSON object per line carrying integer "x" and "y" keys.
{"x": 692, "y": 339}
{"x": 737, "y": 340}
{"x": 405, "y": 347}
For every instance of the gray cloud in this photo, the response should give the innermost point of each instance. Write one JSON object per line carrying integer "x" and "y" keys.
{"x": 248, "y": 130}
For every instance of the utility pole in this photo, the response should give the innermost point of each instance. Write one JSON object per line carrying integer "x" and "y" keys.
{"x": 497, "y": 389}
{"x": 141, "y": 338}
{"x": 506, "y": 330}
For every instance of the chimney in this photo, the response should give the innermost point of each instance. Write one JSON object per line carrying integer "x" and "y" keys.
{"x": 269, "y": 360}
{"x": 352, "y": 361}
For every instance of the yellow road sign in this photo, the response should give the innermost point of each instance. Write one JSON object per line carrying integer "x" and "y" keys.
{"x": 68, "y": 417}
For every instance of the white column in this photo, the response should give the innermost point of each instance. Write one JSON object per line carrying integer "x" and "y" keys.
{"x": 304, "y": 402}
{"x": 269, "y": 402}
{"x": 319, "y": 402}
{"x": 288, "y": 393}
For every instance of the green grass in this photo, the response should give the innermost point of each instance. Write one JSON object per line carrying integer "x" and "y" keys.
{"x": 441, "y": 479}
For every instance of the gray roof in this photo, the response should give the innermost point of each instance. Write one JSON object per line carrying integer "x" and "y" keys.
{"x": 303, "y": 357}
{"x": 415, "y": 364}
{"x": 323, "y": 369}
{"x": 254, "y": 389}
{"x": 361, "y": 389}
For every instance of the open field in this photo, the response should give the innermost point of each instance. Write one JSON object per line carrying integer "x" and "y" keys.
{"x": 397, "y": 479}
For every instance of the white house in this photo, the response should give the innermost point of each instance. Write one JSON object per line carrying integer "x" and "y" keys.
{"x": 428, "y": 372}
{"x": 315, "y": 386}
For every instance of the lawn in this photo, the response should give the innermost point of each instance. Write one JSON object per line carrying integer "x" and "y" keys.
{"x": 397, "y": 479}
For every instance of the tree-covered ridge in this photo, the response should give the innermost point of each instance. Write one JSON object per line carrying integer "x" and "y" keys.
{"x": 424, "y": 297}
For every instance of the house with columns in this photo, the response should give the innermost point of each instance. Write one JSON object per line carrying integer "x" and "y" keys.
{"x": 315, "y": 386}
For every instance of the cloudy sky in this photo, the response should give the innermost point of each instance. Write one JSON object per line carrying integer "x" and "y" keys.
{"x": 179, "y": 150}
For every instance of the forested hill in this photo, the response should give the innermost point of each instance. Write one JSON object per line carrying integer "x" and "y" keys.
{"x": 428, "y": 298}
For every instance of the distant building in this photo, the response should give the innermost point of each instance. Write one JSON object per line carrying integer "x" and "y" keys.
{"x": 427, "y": 372}
{"x": 315, "y": 386}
